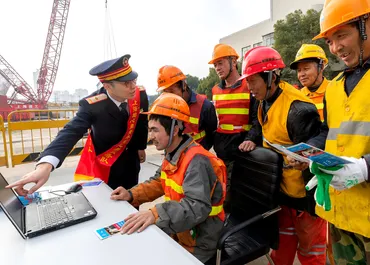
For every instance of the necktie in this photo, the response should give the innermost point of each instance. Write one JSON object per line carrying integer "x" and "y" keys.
{"x": 123, "y": 108}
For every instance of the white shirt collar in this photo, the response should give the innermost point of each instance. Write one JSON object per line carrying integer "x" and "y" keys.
{"x": 115, "y": 101}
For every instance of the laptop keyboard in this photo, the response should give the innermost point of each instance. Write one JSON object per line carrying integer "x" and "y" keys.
{"x": 54, "y": 211}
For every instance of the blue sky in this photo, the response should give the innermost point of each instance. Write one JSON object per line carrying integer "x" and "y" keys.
{"x": 155, "y": 33}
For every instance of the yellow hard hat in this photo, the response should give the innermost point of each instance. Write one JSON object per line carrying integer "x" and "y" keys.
{"x": 338, "y": 12}
{"x": 222, "y": 50}
{"x": 309, "y": 52}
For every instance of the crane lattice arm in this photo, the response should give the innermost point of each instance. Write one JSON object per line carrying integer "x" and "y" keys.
{"x": 52, "y": 51}
{"x": 18, "y": 83}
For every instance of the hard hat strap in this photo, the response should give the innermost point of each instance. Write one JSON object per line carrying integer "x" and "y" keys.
{"x": 363, "y": 35}
{"x": 269, "y": 84}
{"x": 171, "y": 133}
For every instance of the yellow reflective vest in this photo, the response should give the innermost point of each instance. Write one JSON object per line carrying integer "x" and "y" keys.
{"x": 274, "y": 129}
{"x": 348, "y": 120}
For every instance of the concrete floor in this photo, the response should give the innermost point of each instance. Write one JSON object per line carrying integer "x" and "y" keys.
{"x": 64, "y": 174}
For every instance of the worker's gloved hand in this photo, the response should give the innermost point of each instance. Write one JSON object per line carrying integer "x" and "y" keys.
{"x": 349, "y": 175}
{"x": 322, "y": 180}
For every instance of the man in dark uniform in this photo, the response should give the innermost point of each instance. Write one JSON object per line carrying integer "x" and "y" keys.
{"x": 118, "y": 136}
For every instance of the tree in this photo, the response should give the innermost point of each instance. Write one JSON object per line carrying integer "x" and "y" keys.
{"x": 206, "y": 83}
{"x": 192, "y": 81}
{"x": 293, "y": 31}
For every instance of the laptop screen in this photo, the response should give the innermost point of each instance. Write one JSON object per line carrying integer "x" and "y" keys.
{"x": 11, "y": 203}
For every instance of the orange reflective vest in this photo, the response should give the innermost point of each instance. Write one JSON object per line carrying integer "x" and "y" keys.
{"x": 317, "y": 97}
{"x": 274, "y": 129}
{"x": 92, "y": 166}
{"x": 232, "y": 108}
{"x": 172, "y": 177}
{"x": 192, "y": 128}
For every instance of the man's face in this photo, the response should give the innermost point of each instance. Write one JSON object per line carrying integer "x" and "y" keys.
{"x": 257, "y": 86}
{"x": 174, "y": 89}
{"x": 122, "y": 90}
{"x": 344, "y": 42}
{"x": 158, "y": 135}
{"x": 307, "y": 73}
{"x": 222, "y": 67}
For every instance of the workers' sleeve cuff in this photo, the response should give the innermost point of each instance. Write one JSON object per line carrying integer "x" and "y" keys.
{"x": 155, "y": 213}
{"x": 367, "y": 160}
{"x": 134, "y": 195}
{"x": 52, "y": 160}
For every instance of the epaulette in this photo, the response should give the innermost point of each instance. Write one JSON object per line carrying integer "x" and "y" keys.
{"x": 141, "y": 88}
{"x": 97, "y": 98}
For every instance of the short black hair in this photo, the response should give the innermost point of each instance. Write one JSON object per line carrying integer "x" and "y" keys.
{"x": 165, "y": 121}
{"x": 265, "y": 76}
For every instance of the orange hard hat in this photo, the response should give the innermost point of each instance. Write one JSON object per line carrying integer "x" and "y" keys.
{"x": 167, "y": 76}
{"x": 222, "y": 50}
{"x": 261, "y": 59}
{"x": 338, "y": 12}
{"x": 170, "y": 105}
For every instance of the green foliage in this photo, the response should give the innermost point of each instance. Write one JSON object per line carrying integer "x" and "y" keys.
{"x": 192, "y": 81}
{"x": 293, "y": 31}
{"x": 207, "y": 83}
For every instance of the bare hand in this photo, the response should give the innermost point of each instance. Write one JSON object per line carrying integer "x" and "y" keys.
{"x": 142, "y": 155}
{"x": 247, "y": 146}
{"x": 138, "y": 221}
{"x": 297, "y": 164}
{"x": 39, "y": 176}
{"x": 120, "y": 194}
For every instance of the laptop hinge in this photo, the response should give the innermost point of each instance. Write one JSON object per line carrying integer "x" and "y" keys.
{"x": 24, "y": 228}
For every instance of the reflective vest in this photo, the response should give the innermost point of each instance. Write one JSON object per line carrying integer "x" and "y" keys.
{"x": 232, "y": 108}
{"x": 349, "y": 126}
{"x": 172, "y": 177}
{"x": 274, "y": 129}
{"x": 317, "y": 97}
{"x": 192, "y": 128}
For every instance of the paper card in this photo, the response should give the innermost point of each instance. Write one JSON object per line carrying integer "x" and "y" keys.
{"x": 109, "y": 231}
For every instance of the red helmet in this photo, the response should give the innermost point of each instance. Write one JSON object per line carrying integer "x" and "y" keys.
{"x": 261, "y": 59}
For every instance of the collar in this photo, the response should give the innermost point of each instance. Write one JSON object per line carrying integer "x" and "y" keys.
{"x": 320, "y": 90}
{"x": 222, "y": 84}
{"x": 174, "y": 156}
{"x": 365, "y": 65}
{"x": 193, "y": 97}
{"x": 275, "y": 95}
{"x": 115, "y": 101}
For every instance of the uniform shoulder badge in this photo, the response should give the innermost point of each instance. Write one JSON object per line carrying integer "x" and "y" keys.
{"x": 97, "y": 98}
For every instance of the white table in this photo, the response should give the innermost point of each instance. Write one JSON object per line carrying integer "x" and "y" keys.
{"x": 78, "y": 244}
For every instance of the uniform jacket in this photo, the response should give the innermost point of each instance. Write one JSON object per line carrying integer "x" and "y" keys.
{"x": 108, "y": 126}
{"x": 191, "y": 213}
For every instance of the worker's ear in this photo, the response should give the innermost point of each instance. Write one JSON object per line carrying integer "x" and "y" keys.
{"x": 176, "y": 130}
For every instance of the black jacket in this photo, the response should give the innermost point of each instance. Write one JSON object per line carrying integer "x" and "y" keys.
{"x": 108, "y": 126}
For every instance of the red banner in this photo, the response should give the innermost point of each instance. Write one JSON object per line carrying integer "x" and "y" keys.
{"x": 91, "y": 166}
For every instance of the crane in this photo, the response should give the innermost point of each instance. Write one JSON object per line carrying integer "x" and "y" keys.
{"x": 23, "y": 92}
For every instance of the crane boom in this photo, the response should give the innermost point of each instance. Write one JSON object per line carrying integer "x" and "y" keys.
{"x": 52, "y": 51}
{"x": 18, "y": 83}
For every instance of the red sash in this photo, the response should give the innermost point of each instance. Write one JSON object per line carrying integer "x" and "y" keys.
{"x": 91, "y": 166}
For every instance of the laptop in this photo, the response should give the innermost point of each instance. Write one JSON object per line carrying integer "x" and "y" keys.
{"x": 46, "y": 215}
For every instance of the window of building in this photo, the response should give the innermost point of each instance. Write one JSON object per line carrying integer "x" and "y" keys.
{"x": 257, "y": 44}
{"x": 268, "y": 40}
{"x": 245, "y": 49}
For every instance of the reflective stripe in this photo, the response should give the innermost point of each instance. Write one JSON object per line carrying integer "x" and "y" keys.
{"x": 230, "y": 127}
{"x": 319, "y": 246}
{"x": 319, "y": 105}
{"x": 288, "y": 233}
{"x": 351, "y": 128}
{"x": 199, "y": 135}
{"x": 290, "y": 228}
{"x": 314, "y": 253}
{"x": 232, "y": 111}
{"x": 231, "y": 96}
{"x": 194, "y": 120}
{"x": 167, "y": 198}
{"x": 171, "y": 183}
{"x": 216, "y": 210}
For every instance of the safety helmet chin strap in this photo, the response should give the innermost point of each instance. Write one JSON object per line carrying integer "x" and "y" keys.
{"x": 231, "y": 67}
{"x": 363, "y": 36}
{"x": 269, "y": 84}
{"x": 320, "y": 66}
{"x": 173, "y": 123}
